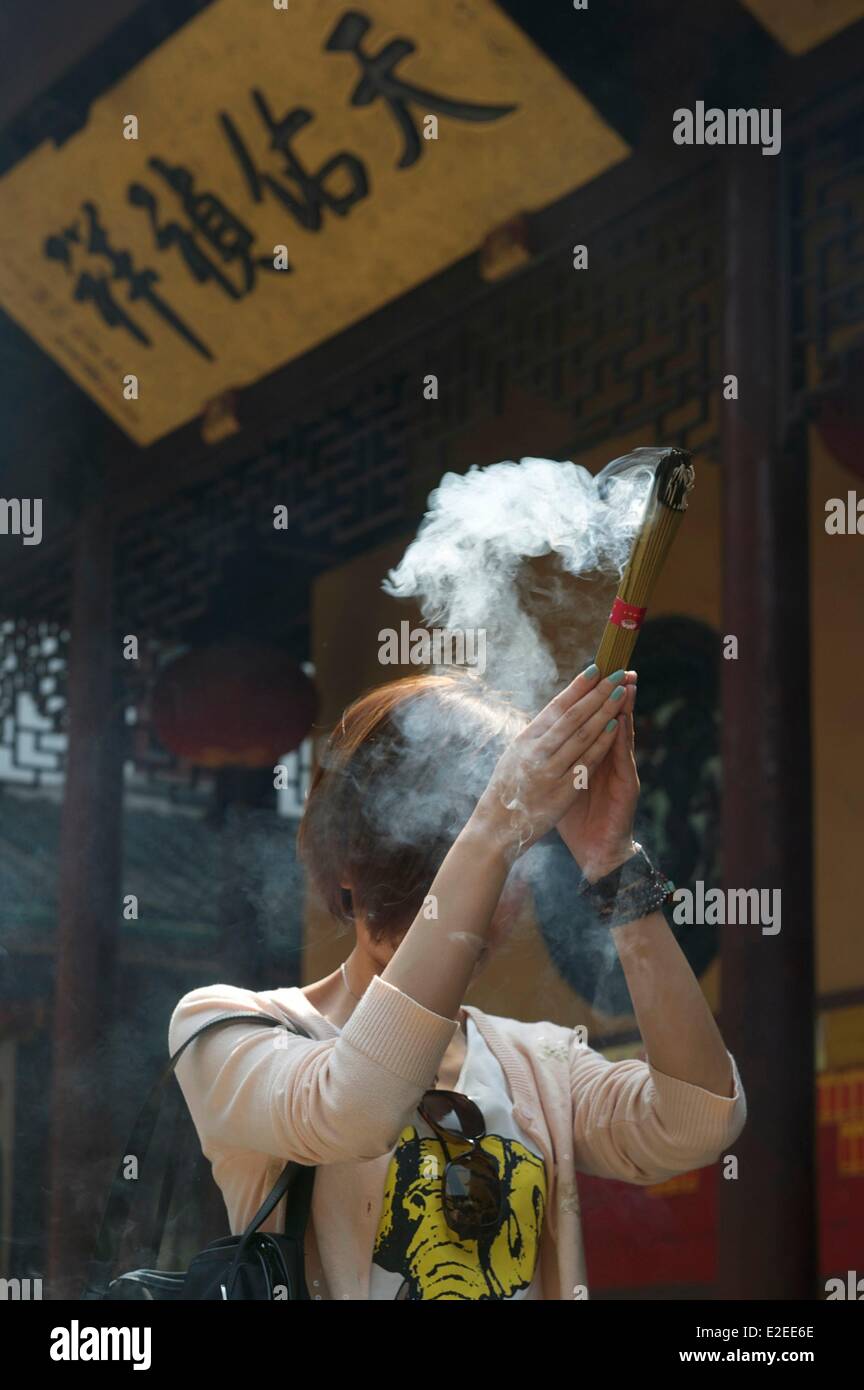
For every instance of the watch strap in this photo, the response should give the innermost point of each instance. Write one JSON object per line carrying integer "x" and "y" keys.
{"x": 633, "y": 890}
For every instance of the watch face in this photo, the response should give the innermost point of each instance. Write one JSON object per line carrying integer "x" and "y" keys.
{"x": 678, "y": 816}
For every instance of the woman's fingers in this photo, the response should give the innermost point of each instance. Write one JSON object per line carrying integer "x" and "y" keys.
{"x": 593, "y": 754}
{"x": 554, "y": 722}
{"x": 576, "y": 720}
{"x": 573, "y": 708}
{"x": 617, "y": 737}
{"x": 576, "y": 690}
{"x": 625, "y": 748}
{"x": 612, "y": 701}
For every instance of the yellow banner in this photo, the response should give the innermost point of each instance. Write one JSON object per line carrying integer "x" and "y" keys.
{"x": 271, "y": 175}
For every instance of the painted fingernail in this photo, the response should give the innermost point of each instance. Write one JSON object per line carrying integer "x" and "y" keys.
{"x": 591, "y": 671}
{"x": 618, "y": 693}
{"x": 617, "y": 676}
{"x": 613, "y": 724}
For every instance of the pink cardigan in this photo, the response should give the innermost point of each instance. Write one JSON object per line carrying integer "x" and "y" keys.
{"x": 259, "y": 1096}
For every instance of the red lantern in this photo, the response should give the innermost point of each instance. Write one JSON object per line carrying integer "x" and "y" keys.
{"x": 238, "y": 704}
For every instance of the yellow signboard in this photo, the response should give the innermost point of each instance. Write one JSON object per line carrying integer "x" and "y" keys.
{"x": 803, "y": 24}
{"x": 271, "y": 175}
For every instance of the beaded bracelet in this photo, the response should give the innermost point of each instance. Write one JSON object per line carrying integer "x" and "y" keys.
{"x": 631, "y": 891}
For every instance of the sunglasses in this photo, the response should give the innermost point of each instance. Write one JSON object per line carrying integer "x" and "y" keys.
{"x": 472, "y": 1193}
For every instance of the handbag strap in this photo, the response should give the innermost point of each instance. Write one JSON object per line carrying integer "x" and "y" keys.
{"x": 122, "y": 1191}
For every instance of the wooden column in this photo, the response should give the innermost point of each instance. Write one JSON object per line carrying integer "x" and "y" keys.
{"x": 767, "y": 1246}
{"x": 89, "y": 913}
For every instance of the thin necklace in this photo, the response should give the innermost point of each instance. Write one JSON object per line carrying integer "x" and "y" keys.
{"x": 346, "y": 984}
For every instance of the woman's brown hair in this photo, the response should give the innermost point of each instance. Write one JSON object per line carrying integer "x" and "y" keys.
{"x": 398, "y": 779}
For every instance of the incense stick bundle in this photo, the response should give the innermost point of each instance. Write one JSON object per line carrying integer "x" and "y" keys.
{"x": 664, "y": 512}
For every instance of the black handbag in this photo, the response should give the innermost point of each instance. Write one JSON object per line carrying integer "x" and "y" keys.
{"x": 254, "y": 1265}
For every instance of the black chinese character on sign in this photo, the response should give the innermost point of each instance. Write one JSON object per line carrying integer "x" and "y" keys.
{"x": 339, "y": 183}
{"x": 212, "y": 222}
{"x": 99, "y": 288}
{"x": 378, "y": 80}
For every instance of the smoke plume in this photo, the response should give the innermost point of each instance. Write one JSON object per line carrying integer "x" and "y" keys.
{"x": 529, "y": 552}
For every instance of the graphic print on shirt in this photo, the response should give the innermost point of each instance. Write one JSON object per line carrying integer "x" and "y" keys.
{"x": 415, "y": 1241}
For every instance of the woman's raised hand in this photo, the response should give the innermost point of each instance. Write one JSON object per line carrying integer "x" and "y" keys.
{"x": 598, "y": 828}
{"x": 534, "y": 783}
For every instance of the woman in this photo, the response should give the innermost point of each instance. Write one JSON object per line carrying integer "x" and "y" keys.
{"x": 428, "y": 795}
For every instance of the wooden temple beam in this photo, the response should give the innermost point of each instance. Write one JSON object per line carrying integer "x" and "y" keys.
{"x": 89, "y": 913}
{"x": 767, "y": 1218}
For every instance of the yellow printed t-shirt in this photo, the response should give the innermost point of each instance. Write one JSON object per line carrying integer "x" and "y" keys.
{"x": 415, "y": 1246}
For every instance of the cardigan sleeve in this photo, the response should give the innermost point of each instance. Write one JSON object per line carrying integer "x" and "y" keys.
{"x": 339, "y": 1100}
{"x": 635, "y": 1123}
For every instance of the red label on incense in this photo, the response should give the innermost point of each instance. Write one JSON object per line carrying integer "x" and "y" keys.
{"x": 627, "y": 615}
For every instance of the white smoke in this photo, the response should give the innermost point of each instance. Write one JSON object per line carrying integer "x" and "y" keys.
{"x": 470, "y": 566}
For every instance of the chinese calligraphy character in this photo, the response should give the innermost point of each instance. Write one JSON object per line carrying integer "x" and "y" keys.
{"x": 231, "y": 240}
{"x": 339, "y": 183}
{"x": 98, "y": 288}
{"x": 378, "y": 80}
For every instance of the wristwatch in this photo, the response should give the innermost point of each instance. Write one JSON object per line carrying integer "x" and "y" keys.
{"x": 631, "y": 891}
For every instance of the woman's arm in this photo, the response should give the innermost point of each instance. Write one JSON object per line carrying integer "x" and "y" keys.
{"x": 634, "y": 1123}
{"x": 681, "y": 1037}
{"x": 678, "y": 1028}
{"x": 336, "y": 1100}
{"x": 643, "y": 1122}
{"x": 435, "y": 959}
